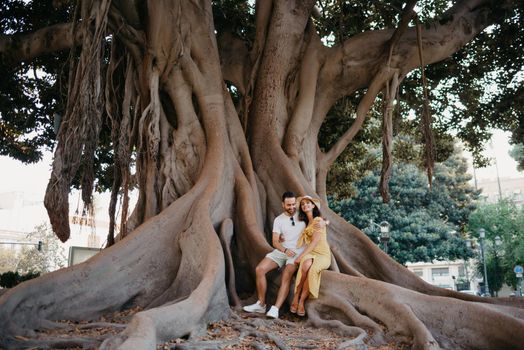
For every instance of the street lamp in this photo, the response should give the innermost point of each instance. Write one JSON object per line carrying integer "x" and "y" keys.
{"x": 482, "y": 235}
{"x": 498, "y": 243}
{"x": 469, "y": 246}
{"x": 384, "y": 234}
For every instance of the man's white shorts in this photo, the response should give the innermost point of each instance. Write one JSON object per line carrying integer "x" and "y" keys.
{"x": 281, "y": 258}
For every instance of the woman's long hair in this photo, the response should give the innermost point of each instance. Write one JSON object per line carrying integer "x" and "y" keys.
{"x": 303, "y": 217}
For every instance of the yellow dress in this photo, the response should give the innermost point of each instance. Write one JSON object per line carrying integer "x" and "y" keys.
{"x": 321, "y": 255}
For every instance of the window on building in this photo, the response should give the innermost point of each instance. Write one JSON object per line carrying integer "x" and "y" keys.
{"x": 446, "y": 286}
{"x": 461, "y": 271}
{"x": 440, "y": 271}
{"x": 418, "y": 272}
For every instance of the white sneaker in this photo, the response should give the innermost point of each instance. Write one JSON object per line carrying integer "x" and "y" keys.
{"x": 273, "y": 312}
{"x": 256, "y": 307}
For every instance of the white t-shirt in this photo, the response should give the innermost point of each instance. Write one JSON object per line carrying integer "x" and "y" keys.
{"x": 284, "y": 225}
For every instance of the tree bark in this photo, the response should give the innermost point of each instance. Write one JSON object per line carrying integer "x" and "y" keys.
{"x": 210, "y": 179}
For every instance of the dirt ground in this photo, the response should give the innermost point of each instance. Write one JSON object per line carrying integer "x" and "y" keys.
{"x": 241, "y": 331}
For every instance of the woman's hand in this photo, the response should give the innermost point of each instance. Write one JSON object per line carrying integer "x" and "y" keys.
{"x": 298, "y": 259}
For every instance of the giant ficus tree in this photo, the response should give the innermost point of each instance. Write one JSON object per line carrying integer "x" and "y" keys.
{"x": 151, "y": 83}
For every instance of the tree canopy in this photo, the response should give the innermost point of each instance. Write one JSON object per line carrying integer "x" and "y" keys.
{"x": 426, "y": 223}
{"x": 212, "y": 109}
{"x": 34, "y": 91}
{"x": 504, "y": 220}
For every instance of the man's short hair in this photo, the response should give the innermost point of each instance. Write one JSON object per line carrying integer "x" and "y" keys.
{"x": 288, "y": 194}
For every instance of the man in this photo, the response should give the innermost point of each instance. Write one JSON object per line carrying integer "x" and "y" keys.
{"x": 286, "y": 231}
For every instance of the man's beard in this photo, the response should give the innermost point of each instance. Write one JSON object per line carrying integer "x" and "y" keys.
{"x": 291, "y": 211}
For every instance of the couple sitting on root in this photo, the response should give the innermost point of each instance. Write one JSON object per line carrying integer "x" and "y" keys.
{"x": 299, "y": 239}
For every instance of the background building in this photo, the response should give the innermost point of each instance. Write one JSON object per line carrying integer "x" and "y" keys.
{"x": 21, "y": 213}
{"x": 494, "y": 189}
{"x": 454, "y": 275}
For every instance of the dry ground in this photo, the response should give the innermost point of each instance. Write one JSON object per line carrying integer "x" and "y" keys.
{"x": 242, "y": 331}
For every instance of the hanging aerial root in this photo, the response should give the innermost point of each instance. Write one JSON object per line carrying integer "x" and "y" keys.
{"x": 387, "y": 135}
{"x": 121, "y": 125}
{"x": 429, "y": 145}
{"x": 78, "y": 134}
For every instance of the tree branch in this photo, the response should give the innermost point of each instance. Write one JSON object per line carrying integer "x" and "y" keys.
{"x": 300, "y": 120}
{"x": 352, "y": 65}
{"x": 23, "y": 47}
{"x": 407, "y": 14}
{"x": 363, "y": 107}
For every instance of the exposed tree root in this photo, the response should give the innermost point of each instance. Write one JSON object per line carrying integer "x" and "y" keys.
{"x": 188, "y": 317}
{"x": 100, "y": 325}
{"x": 426, "y": 321}
{"x": 338, "y": 312}
{"x": 208, "y": 345}
{"x": 61, "y": 343}
{"x": 136, "y": 273}
{"x": 208, "y": 184}
{"x": 250, "y": 331}
{"x": 226, "y": 234}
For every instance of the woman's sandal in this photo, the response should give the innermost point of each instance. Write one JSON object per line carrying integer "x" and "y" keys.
{"x": 301, "y": 312}
{"x": 293, "y": 308}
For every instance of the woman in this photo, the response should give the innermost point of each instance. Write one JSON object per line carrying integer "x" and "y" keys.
{"x": 315, "y": 258}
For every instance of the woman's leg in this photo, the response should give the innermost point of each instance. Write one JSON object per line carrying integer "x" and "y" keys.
{"x": 301, "y": 310}
{"x": 304, "y": 285}
{"x": 304, "y": 268}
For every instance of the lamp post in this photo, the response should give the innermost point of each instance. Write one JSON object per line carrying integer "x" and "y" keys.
{"x": 482, "y": 235}
{"x": 498, "y": 243}
{"x": 469, "y": 246}
{"x": 384, "y": 234}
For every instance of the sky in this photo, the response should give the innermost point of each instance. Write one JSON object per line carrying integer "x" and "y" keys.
{"x": 30, "y": 178}
{"x": 33, "y": 178}
{"x": 498, "y": 149}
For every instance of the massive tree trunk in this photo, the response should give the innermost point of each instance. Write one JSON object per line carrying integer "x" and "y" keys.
{"x": 210, "y": 173}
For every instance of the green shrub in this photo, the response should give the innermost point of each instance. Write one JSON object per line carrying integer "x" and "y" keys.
{"x": 10, "y": 279}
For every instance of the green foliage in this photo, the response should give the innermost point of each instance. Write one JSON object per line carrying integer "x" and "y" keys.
{"x": 340, "y": 20}
{"x": 426, "y": 224}
{"x": 235, "y": 16}
{"x": 50, "y": 258}
{"x": 33, "y": 93}
{"x": 8, "y": 259}
{"x": 517, "y": 153}
{"x": 30, "y": 92}
{"x": 357, "y": 159}
{"x": 506, "y": 220}
{"x": 478, "y": 88}
{"x": 10, "y": 279}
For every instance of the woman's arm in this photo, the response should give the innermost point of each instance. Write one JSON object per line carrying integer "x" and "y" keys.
{"x": 318, "y": 225}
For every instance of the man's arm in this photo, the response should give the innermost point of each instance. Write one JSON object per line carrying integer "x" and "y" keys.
{"x": 277, "y": 244}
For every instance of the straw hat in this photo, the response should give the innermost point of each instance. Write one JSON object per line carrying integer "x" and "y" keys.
{"x": 315, "y": 201}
